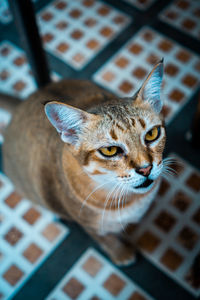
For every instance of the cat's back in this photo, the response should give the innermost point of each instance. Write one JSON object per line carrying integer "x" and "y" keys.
{"x": 31, "y": 142}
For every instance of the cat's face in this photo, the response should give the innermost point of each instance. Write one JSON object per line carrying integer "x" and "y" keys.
{"x": 125, "y": 148}
{"x": 119, "y": 144}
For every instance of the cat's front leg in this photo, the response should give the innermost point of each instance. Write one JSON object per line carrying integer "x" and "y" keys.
{"x": 120, "y": 251}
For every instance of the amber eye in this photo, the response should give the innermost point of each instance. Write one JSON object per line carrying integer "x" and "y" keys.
{"x": 152, "y": 134}
{"x": 110, "y": 151}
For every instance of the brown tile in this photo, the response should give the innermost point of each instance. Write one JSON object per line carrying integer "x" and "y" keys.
{"x": 139, "y": 72}
{"x": 51, "y": 232}
{"x": 118, "y": 19}
{"x": 171, "y": 259}
{"x": 114, "y": 284}
{"x": 189, "y": 24}
{"x": 126, "y": 86}
{"x": 1, "y": 256}
{"x": 171, "y": 69}
{"x": 32, "y": 215}
{"x": 95, "y": 298}
{"x": 4, "y": 74}
{"x": 137, "y": 296}
{"x": 176, "y": 95}
{"x": 197, "y": 66}
{"x": 1, "y": 218}
{"x": 32, "y": 253}
{"x": 193, "y": 275}
{"x": 47, "y": 37}
{"x": 61, "y": 25}
{"x": 135, "y": 48}
{"x": 189, "y": 80}
{"x": 166, "y": 110}
{"x": 75, "y": 13}
{"x": 13, "y": 200}
{"x": 148, "y": 241}
{"x": 194, "y": 182}
{"x": 47, "y": 16}
{"x": 61, "y": 5}
{"x": 183, "y": 4}
{"x": 108, "y": 76}
{"x": 165, "y": 45}
{"x": 19, "y": 85}
{"x": 152, "y": 59}
{"x": 92, "y": 44}
{"x": 187, "y": 237}
{"x": 172, "y": 15}
{"x": 178, "y": 167}
{"x": 148, "y": 35}
{"x": 196, "y": 12}
{"x": 5, "y": 51}
{"x": 90, "y": 22}
{"x": 13, "y": 275}
{"x": 88, "y": 3}
{"x": 19, "y": 61}
{"x": 103, "y": 10}
{"x": 92, "y": 266}
{"x": 181, "y": 201}
{"x": 13, "y": 236}
{"x": 106, "y": 31}
{"x": 164, "y": 186}
{"x": 183, "y": 55}
{"x": 77, "y": 34}
{"x": 79, "y": 58}
{"x": 165, "y": 221}
{"x": 1, "y": 296}
{"x": 73, "y": 288}
{"x": 196, "y": 216}
{"x": 62, "y": 47}
{"x": 122, "y": 62}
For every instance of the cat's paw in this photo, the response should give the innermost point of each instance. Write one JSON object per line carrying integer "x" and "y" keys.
{"x": 125, "y": 256}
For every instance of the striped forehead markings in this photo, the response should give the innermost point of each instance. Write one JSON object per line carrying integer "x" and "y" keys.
{"x": 142, "y": 123}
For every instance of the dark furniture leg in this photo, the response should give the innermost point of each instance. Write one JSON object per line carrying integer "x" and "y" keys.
{"x": 24, "y": 16}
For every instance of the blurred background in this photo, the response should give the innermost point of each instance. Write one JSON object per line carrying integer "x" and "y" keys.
{"x": 115, "y": 44}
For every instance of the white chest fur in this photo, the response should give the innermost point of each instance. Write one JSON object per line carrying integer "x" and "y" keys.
{"x": 115, "y": 221}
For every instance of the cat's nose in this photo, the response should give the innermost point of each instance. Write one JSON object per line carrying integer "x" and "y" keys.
{"x": 144, "y": 171}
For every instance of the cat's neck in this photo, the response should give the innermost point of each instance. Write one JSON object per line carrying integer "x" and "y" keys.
{"x": 86, "y": 190}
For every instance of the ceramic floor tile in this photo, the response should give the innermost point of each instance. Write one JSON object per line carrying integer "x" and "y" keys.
{"x": 184, "y": 15}
{"x": 15, "y": 77}
{"x": 169, "y": 234}
{"x": 93, "y": 277}
{"x": 75, "y": 31}
{"x": 126, "y": 70}
{"x": 28, "y": 235}
{"x": 141, "y": 4}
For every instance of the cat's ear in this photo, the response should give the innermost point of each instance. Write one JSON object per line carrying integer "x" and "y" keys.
{"x": 68, "y": 121}
{"x": 151, "y": 88}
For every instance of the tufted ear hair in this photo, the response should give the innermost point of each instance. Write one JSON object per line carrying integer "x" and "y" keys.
{"x": 68, "y": 120}
{"x": 151, "y": 88}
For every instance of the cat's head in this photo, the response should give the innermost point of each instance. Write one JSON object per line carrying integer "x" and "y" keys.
{"x": 119, "y": 143}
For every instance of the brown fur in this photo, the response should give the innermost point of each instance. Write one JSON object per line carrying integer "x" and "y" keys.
{"x": 49, "y": 172}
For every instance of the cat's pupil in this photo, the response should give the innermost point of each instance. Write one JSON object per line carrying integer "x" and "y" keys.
{"x": 109, "y": 149}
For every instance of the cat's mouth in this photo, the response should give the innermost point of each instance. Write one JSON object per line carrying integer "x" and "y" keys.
{"x": 145, "y": 184}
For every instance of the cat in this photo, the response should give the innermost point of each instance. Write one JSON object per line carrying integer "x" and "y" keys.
{"x": 90, "y": 156}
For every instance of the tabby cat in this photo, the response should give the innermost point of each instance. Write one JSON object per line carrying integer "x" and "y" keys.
{"x": 99, "y": 164}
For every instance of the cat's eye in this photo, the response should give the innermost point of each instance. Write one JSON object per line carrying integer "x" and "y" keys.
{"x": 152, "y": 134}
{"x": 110, "y": 151}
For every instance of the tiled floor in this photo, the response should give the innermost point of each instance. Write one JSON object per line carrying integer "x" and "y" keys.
{"x": 75, "y": 31}
{"x": 103, "y": 42}
{"x": 124, "y": 72}
{"x": 184, "y": 15}
{"x": 28, "y": 235}
{"x": 93, "y": 277}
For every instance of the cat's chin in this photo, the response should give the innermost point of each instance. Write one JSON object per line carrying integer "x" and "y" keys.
{"x": 143, "y": 188}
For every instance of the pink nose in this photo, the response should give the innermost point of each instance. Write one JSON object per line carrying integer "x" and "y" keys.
{"x": 144, "y": 171}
